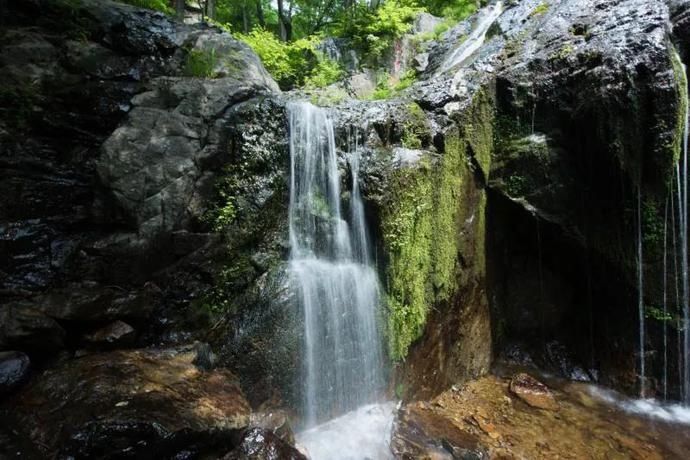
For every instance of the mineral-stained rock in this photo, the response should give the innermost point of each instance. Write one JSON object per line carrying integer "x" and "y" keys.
{"x": 14, "y": 370}
{"x": 533, "y": 392}
{"x": 141, "y": 403}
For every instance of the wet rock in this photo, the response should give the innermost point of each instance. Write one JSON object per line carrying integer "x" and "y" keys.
{"x": 533, "y": 392}
{"x": 118, "y": 333}
{"x": 141, "y": 402}
{"x": 262, "y": 444}
{"x": 275, "y": 421}
{"x": 420, "y": 433}
{"x": 14, "y": 370}
{"x": 29, "y": 329}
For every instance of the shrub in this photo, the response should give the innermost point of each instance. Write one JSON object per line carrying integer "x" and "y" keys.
{"x": 295, "y": 63}
{"x": 158, "y": 5}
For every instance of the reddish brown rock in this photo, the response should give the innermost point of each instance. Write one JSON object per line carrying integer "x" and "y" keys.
{"x": 533, "y": 392}
{"x": 134, "y": 403}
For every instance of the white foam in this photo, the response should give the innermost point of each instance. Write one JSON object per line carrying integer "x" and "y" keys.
{"x": 361, "y": 434}
{"x": 675, "y": 413}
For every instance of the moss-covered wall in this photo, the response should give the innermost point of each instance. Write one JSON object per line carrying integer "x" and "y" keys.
{"x": 433, "y": 228}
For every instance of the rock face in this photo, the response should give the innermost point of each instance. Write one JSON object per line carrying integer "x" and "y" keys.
{"x": 14, "y": 370}
{"x": 113, "y": 138}
{"x": 131, "y": 403}
{"x": 541, "y": 113}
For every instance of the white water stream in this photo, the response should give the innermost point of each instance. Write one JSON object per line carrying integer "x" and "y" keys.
{"x": 338, "y": 290}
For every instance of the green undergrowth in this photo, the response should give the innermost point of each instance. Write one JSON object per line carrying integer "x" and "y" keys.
{"x": 157, "y": 5}
{"x": 293, "y": 64}
{"x": 423, "y": 221}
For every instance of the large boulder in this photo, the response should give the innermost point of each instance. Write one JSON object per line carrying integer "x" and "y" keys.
{"x": 137, "y": 403}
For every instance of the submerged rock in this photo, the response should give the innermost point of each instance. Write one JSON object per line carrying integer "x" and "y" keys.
{"x": 141, "y": 403}
{"x": 533, "y": 392}
{"x": 14, "y": 370}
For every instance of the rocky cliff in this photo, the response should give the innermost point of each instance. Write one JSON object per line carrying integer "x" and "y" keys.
{"x": 145, "y": 171}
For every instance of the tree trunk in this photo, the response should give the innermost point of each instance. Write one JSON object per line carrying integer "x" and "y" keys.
{"x": 211, "y": 9}
{"x": 281, "y": 21}
{"x": 245, "y": 18}
{"x": 179, "y": 9}
{"x": 260, "y": 14}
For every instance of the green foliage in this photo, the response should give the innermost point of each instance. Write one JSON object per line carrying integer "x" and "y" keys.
{"x": 387, "y": 86}
{"x": 200, "y": 63}
{"x": 652, "y": 224}
{"x": 295, "y": 63}
{"x": 373, "y": 31}
{"x": 158, "y": 5}
{"x": 324, "y": 73}
{"x": 657, "y": 314}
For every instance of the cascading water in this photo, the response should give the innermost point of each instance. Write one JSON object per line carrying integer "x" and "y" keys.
{"x": 474, "y": 41}
{"x": 336, "y": 284}
{"x": 640, "y": 291}
{"x": 682, "y": 175}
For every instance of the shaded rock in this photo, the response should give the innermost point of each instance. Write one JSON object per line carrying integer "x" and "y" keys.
{"x": 29, "y": 329}
{"x": 261, "y": 444}
{"x": 117, "y": 333}
{"x": 139, "y": 403}
{"x": 14, "y": 370}
{"x": 533, "y": 392}
{"x": 87, "y": 301}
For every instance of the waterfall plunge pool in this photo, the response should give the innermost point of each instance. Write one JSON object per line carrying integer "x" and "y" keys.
{"x": 363, "y": 433}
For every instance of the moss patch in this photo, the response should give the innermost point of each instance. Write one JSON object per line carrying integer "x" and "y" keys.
{"x": 423, "y": 224}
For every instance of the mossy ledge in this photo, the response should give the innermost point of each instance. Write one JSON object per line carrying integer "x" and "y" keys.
{"x": 427, "y": 219}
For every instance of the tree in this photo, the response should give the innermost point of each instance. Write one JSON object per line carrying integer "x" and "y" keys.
{"x": 179, "y": 9}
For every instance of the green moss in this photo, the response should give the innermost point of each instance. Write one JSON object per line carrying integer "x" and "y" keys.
{"x": 200, "y": 63}
{"x": 540, "y": 10}
{"x": 424, "y": 221}
{"x": 416, "y": 127}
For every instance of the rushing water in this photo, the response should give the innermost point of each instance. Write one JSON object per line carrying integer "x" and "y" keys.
{"x": 337, "y": 286}
{"x": 640, "y": 291}
{"x": 682, "y": 176}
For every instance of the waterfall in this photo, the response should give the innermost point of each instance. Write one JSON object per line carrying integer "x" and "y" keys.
{"x": 474, "y": 41}
{"x": 640, "y": 290}
{"x": 683, "y": 218}
{"x": 335, "y": 282}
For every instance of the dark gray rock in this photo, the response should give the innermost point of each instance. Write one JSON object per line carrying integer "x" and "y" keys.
{"x": 29, "y": 329}
{"x": 14, "y": 370}
{"x": 261, "y": 444}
